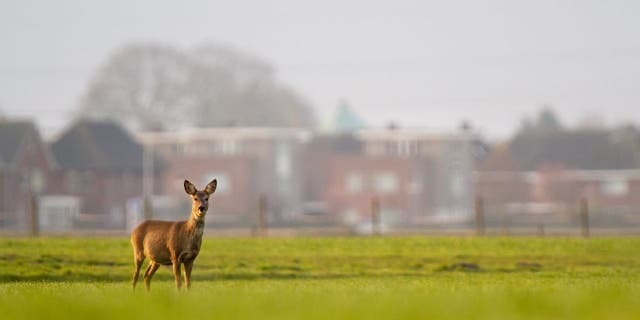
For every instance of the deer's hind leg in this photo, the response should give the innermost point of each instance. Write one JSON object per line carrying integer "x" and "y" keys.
{"x": 153, "y": 267}
{"x": 138, "y": 259}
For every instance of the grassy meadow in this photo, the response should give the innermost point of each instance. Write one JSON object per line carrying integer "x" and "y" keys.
{"x": 330, "y": 278}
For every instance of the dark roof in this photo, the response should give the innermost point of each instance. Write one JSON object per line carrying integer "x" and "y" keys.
{"x": 578, "y": 149}
{"x": 98, "y": 145}
{"x": 12, "y": 133}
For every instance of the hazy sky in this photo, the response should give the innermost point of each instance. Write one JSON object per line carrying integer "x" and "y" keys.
{"x": 418, "y": 63}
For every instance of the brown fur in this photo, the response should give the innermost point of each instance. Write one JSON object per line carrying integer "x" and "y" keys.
{"x": 172, "y": 242}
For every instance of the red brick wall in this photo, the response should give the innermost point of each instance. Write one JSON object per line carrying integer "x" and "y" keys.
{"x": 14, "y": 189}
{"x": 340, "y": 199}
{"x": 99, "y": 191}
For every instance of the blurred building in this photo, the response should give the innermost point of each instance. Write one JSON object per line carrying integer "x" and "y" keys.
{"x": 97, "y": 172}
{"x": 101, "y": 164}
{"x": 542, "y": 176}
{"x": 417, "y": 175}
{"x": 247, "y": 161}
{"x": 25, "y": 165}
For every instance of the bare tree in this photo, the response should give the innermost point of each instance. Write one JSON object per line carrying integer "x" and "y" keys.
{"x": 150, "y": 86}
{"x": 141, "y": 85}
{"x": 250, "y": 94}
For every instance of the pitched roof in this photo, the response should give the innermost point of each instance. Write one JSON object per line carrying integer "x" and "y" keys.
{"x": 102, "y": 145}
{"x": 12, "y": 133}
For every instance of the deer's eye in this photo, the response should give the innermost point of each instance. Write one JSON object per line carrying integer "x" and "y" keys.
{"x": 206, "y": 199}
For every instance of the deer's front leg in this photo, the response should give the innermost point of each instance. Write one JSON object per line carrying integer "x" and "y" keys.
{"x": 176, "y": 272}
{"x": 187, "y": 273}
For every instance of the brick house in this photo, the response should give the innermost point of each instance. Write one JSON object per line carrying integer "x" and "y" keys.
{"x": 247, "y": 161}
{"x": 354, "y": 179}
{"x": 547, "y": 175}
{"x": 418, "y": 175}
{"x": 99, "y": 162}
{"x": 25, "y": 165}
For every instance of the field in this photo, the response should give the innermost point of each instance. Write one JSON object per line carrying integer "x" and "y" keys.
{"x": 330, "y": 278}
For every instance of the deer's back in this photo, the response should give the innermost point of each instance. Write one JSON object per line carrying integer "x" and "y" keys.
{"x": 154, "y": 238}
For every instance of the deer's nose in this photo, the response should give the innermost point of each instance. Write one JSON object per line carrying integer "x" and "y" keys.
{"x": 201, "y": 208}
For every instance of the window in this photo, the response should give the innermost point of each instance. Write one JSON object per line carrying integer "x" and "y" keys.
{"x": 38, "y": 180}
{"x": 283, "y": 160}
{"x": 350, "y": 216}
{"x": 80, "y": 182}
{"x": 229, "y": 147}
{"x": 178, "y": 149}
{"x": 73, "y": 182}
{"x": 24, "y": 180}
{"x": 385, "y": 182}
{"x": 457, "y": 185}
{"x": 406, "y": 148}
{"x": 614, "y": 187}
{"x": 353, "y": 182}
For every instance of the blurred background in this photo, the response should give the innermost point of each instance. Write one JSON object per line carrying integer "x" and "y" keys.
{"x": 332, "y": 118}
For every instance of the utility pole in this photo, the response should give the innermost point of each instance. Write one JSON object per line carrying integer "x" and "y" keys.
{"x": 147, "y": 180}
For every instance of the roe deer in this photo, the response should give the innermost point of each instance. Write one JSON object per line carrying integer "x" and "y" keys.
{"x": 172, "y": 242}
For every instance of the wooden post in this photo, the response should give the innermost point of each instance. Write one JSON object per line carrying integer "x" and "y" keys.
{"x": 584, "y": 217}
{"x": 479, "y": 207}
{"x": 262, "y": 219}
{"x": 33, "y": 214}
{"x": 376, "y": 229}
{"x": 505, "y": 223}
{"x": 540, "y": 230}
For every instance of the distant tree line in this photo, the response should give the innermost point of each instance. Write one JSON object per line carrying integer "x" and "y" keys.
{"x": 544, "y": 142}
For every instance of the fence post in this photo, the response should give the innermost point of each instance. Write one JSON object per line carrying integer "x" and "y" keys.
{"x": 33, "y": 214}
{"x": 506, "y": 221}
{"x": 584, "y": 217}
{"x": 479, "y": 208}
{"x": 375, "y": 217}
{"x": 262, "y": 219}
{"x": 540, "y": 230}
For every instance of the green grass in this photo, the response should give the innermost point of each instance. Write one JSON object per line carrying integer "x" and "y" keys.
{"x": 329, "y": 278}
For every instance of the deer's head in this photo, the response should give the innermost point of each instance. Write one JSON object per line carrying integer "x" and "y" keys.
{"x": 200, "y": 199}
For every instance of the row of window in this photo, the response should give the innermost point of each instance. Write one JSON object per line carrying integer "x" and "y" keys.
{"x": 222, "y": 147}
{"x": 408, "y": 148}
{"x": 380, "y": 182}
{"x": 219, "y": 147}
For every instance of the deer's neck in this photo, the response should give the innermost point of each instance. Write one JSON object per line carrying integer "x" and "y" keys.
{"x": 195, "y": 225}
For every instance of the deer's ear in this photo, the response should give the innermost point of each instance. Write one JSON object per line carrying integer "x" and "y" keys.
{"x": 189, "y": 187}
{"x": 211, "y": 187}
